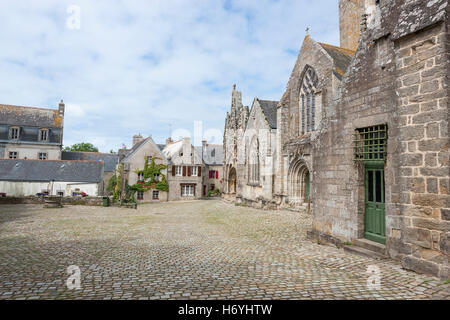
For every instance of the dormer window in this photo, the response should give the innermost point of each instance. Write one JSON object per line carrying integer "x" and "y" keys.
{"x": 213, "y": 153}
{"x": 43, "y": 135}
{"x": 140, "y": 176}
{"x": 14, "y": 133}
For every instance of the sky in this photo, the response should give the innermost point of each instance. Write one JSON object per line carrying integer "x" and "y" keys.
{"x": 155, "y": 67}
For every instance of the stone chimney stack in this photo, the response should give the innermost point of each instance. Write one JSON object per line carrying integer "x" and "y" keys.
{"x": 169, "y": 141}
{"x": 137, "y": 138}
{"x": 350, "y": 18}
{"x": 204, "y": 150}
{"x": 61, "y": 108}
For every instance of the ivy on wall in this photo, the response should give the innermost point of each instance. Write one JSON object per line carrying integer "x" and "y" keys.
{"x": 151, "y": 169}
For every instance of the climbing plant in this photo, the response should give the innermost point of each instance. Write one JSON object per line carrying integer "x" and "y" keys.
{"x": 118, "y": 183}
{"x": 151, "y": 169}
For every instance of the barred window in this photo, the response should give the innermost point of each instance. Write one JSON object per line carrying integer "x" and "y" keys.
{"x": 370, "y": 144}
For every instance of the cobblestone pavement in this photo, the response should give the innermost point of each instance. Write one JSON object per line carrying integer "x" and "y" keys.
{"x": 186, "y": 250}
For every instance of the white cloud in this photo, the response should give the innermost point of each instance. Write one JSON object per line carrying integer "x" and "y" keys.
{"x": 142, "y": 66}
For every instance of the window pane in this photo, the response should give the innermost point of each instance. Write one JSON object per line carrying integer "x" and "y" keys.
{"x": 370, "y": 185}
{"x": 378, "y": 186}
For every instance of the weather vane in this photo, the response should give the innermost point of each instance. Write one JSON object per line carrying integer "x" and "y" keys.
{"x": 307, "y": 30}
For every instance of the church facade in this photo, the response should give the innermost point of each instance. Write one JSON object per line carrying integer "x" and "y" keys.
{"x": 362, "y": 134}
{"x": 250, "y": 151}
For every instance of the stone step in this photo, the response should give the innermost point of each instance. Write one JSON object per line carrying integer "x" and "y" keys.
{"x": 370, "y": 245}
{"x": 364, "y": 252}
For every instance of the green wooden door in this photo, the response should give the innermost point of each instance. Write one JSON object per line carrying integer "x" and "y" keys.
{"x": 307, "y": 187}
{"x": 374, "y": 218}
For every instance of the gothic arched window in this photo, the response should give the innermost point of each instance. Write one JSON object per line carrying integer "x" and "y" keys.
{"x": 253, "y": 162}
{"x": 308, "y": 100}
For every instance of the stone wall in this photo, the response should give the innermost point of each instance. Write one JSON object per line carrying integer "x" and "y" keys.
{"x": 87, "y": 201}
{"x": 398, "y": 77}
{"x": 420, "y": 228}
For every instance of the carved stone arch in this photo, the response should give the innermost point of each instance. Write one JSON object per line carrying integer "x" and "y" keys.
{"x": 309, "y": 99}
{"x": 299, "y": 180}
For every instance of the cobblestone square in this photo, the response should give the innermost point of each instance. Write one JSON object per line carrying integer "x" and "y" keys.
{"x": 186, "y": 250}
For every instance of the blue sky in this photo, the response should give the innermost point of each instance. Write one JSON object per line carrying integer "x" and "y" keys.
{"x": 152, "y": 67}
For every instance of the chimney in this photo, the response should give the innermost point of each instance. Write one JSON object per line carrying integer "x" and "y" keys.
{"x": 187, "y": 148}
{"x": 137, "y": 138}
{"x": 169, "y": 141}
{"x": 61, "y": 108}
{"x": 204, "y": 145}
{"x": 350, "y": 18}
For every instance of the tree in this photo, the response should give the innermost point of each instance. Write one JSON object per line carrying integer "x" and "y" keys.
{"x": 83, "y": 146}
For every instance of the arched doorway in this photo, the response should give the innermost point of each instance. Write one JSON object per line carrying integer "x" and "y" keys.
{"x": 232, "y": 181}
{"x": 299, "y": 183}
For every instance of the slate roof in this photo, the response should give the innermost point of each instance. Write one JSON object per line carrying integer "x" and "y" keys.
{"x": 110, "y": 159}
{"x": 342, "y": 57}
{"x": 270, "y": 111}
{"x": 48, "y": 170}
{"x": 30, "y": 116}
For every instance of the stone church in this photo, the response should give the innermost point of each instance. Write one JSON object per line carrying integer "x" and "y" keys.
{"x": 362, "y": 134}
{"x": 250, "y": 151}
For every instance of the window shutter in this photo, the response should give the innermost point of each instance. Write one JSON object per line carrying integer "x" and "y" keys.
{"x": 189, "y": 171}
{"x": 184, "y": 171}
{"x": 199, "y": 172}
{"x": 217, "y": 174}
{"x": 173, "y": 171}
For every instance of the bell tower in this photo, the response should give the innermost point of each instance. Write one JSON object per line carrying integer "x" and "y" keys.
{"x": 350, "y": 17}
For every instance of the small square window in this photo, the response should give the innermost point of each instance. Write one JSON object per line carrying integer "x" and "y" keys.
{"x": 155, "y": 195}
{"x": 140, "y": 195}
{"x": 43, "y": 156}
{"x": 61, "y": 193}
{"x": 13, "y": 154}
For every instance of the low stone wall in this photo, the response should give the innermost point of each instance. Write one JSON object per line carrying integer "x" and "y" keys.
{"x": 87, "y": 201}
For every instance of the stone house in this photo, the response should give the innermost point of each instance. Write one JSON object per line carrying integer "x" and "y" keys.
{"x": 31, "y": 133}
{"x": 212, "y": 156}
{"x": 21, "y": 178}
{"x": 134, "y": 161}
{"x": 186, "y": 170}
